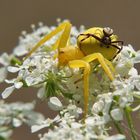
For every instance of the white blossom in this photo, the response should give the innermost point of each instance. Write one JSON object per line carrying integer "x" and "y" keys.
{"x": 14, "y": 115}
{"x": 55, "y": 104}
{"x": 13, "y": 69}
{"x": 7, "y": 92}
{"x": 44, "y": 123}
{"x": 116, "y": 137}
{"x": 5, "y": 59}
{"x": 3, "y": 74}
{"x": 107, "y": 101}
{"x": 117, "y": 114}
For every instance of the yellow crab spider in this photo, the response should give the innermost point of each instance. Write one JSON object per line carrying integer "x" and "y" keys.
{"x": 94, "y": 44}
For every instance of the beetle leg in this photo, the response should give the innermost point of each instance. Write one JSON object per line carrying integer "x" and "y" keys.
{"x": 86, "y": 66}
{"x": 61, "y": 42}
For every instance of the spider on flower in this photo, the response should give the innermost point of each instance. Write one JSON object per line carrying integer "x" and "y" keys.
{"x": 95, "y": 44}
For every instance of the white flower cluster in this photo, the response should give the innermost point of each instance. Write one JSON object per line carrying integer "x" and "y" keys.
{"x": 66, "y": 127}
{"x": 13, "y": 115}
{"x": 109, "y": 102}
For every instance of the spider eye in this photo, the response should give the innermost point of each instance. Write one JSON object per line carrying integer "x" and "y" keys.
{"x": 108, "y": 31}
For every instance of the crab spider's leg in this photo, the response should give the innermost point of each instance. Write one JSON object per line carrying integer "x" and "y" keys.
{"x": 56, "y": 44}
{"x": 110, "y": 65}
{"x": 61, "y": 42}
{"x": 101, "y": 60}
{"x": 86, "y": 66}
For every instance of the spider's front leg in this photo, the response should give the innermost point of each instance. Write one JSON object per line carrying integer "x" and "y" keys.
{"x": 84, "y": 63}
{"x": 86, "y": 66}
{"x": 65, "y": 27}
{"x": 106, "y": 64}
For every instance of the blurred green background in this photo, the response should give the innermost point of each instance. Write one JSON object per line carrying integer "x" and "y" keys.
{"x": 17, "y": 15}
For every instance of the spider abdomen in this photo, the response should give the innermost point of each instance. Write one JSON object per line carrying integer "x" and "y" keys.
{"x": 88, "y": 44}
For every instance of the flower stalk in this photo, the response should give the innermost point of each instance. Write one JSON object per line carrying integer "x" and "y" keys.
{"x": 118, "y": 127}
{"x": 130, "y": 123}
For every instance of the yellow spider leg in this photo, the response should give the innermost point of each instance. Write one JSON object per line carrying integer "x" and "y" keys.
{"x": 69, "y": 42}
{"x": 65, "y": 27}
{"x": 101, "y": 60}
{"x": 86, "y": 66}
{"x": 110, "y": 65}
{"x": 55, "y": 45}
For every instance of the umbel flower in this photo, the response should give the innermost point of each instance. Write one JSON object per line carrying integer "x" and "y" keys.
{"x": 110, "y": 103}
{"x": 13, "y": 115}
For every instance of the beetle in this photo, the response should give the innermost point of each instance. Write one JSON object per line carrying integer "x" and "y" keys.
{"x": 94, "y": 44}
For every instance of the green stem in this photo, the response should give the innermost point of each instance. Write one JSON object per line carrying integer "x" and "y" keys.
{"x": 15, "y": 61}
{"x": 116, "y": 124}
{"x": 130, "y": 123}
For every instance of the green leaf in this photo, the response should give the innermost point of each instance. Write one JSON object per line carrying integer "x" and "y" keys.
{"x": 2, "y": 138}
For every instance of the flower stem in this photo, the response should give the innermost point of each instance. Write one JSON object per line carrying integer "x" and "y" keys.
{"x": 116, "y": 124}
{"x": 130, "y": 123}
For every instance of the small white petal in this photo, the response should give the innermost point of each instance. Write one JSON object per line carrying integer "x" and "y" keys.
{"x": 137, "y": 93}
{"x": 116, "y": 137}
{"x": 98, "y": 106}
{"x": 79, "y": 110}
{"x": 7, "y": 92}
{"x": 136, "y": 108}
{"x": 13, "y": 69}
{"x": 43, "y": 124}
{"x": 36, "y": 128}
{"x": 76, "y": 125}
{"x": 41, "y": 92}
{"x": 56, "y": 119}
{"x": 55, "y": 104}
{"x": 137, "y": 58}
{"x": 10, "y": 81}
{"x": 5, "y": 59}
{"x": 92, "y": 121}
{"x": 89, "y": 120}
{"x": 20, "y": 50}
{"x": 123, "y": 68}
{"x": 117, "y": 114}
{"x": 137, "y": 82}
{"x": 29, "y": 80}
{"x": 18, "y": 85}
{"x": 17, "y": 122}
{"x": 3, "y": 74}
{"x": 123, "y": 101}
{"x": 133, "y": 72}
